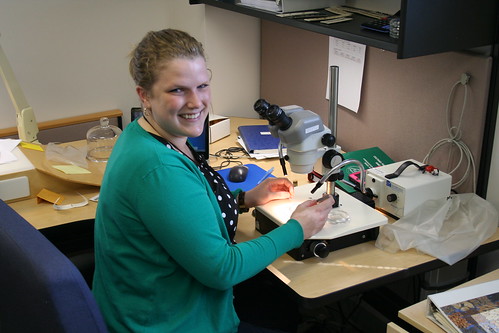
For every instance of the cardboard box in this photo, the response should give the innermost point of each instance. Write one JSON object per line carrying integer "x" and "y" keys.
{"x": 219, "y": 127}
{"x": 286, "y": 6}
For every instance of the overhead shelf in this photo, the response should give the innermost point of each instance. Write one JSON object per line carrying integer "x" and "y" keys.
{"x": 426, "y": 26}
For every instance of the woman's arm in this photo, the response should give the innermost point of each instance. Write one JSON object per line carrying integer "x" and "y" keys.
{"x": 180, "y": 211}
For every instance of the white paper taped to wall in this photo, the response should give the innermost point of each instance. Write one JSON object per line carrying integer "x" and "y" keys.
{"x": 349, "y": 57}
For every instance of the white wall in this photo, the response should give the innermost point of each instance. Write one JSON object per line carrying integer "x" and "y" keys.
{"x": 233, "y": 47}
{"x": 71, "y": 57}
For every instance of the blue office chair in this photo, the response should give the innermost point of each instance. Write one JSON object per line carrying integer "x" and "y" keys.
{"x": 40, "y": 289}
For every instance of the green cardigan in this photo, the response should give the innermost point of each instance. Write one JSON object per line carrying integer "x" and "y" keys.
{"x": 164, "y": 262}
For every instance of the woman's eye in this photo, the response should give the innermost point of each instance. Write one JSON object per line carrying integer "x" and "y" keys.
{"x": 176, "y": 90}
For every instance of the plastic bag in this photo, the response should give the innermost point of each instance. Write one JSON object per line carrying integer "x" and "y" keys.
{"x": 66, "y": 154}
{"x": 448, "y": 228}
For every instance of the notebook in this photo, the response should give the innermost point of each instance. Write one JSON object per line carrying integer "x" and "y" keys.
{"x": 258, "y": 140}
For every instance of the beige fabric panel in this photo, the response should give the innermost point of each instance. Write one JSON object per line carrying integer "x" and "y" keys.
{"x": 403, "y": 102}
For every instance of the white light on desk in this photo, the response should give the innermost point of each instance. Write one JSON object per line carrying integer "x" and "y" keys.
{"x": 361, "y": 216}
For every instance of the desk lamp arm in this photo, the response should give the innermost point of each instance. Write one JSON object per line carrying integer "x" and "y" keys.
{"x": 27, "y": 127}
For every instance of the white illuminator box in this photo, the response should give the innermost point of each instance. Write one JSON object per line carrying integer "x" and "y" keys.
{"x": 400, "y": 195}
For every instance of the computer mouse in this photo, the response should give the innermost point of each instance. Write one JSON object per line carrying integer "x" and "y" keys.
{"x": 238, "y": 173}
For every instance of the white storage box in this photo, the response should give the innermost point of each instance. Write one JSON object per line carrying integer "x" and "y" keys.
{"x": 219, "y": 127}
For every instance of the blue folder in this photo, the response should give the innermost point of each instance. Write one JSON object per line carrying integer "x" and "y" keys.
{"x": 258, "y": 139}
{"x": 255, "y": 174}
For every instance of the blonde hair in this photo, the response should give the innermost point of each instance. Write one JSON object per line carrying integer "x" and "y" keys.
{"x": 156, "y": 49}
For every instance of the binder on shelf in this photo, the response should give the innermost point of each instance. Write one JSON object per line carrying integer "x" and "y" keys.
{"x": 258, "y": 140}
{"x": 469, "y": 309}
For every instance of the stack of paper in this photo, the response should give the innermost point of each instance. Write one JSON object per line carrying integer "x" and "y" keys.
{"x": 6, "y": 150}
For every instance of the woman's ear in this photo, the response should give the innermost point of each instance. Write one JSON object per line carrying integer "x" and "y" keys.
{"x": 143, "y": 95}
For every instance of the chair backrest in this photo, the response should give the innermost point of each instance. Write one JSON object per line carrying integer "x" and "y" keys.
{"x": 40, "y": 289}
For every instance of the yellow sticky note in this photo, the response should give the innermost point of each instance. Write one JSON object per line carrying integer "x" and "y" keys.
{"x": 31, "y": 146}
{"x": 71, "y": 169}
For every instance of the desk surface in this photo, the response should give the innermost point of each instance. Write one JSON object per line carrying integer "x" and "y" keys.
{"x": 416, "y": 314}
{"x": 348, "y": 271}
{"x": 344, "y": 272}
{"x": 316, "y": 281}
{"x": 45, "y": 166}
{"x": 43, "y": 215}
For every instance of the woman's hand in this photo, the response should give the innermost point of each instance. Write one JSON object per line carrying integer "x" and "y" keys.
{"x": 312, "y": 215}
{"x": 268, "y": 190}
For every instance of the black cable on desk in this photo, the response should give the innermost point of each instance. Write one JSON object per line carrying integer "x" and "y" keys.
{"x": 229, "y": 156}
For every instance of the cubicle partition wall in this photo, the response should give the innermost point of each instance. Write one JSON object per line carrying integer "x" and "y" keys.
{"x": 403, "y": 101}
{"x": 69, "y": 129}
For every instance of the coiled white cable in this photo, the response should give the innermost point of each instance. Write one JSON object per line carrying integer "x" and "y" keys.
{"x": 455, "y": 135}
{"x": 70, "y": 206}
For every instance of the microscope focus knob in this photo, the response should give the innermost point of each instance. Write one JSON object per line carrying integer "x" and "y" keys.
{"x": 391, "y": 197}
{"x": 331, "y": 158}
{"x": 320, "y": 249}
{"x": 328, "y": 140}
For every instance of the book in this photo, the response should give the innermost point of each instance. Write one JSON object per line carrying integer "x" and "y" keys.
{"x": 465, "y": 310}
{"x": 258, "y": 140}
{"x": 369, "y": 157}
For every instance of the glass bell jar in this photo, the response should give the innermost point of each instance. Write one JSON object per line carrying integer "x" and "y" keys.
{"x": 101, "y": 140}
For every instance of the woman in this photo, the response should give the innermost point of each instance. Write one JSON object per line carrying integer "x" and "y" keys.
{"x": 165, "y": 256}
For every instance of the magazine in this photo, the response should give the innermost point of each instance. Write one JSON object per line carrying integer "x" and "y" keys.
{"x": 465, "y": 310}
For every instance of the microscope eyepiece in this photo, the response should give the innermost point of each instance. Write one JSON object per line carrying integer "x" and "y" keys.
{"x": 279, "y": 118}
{"x": 261, "y": 106}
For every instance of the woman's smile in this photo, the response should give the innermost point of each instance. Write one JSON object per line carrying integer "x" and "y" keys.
{"x": 191, "y": 115}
